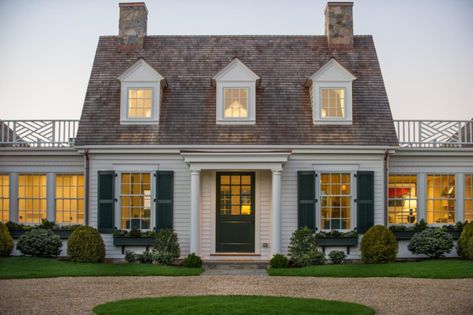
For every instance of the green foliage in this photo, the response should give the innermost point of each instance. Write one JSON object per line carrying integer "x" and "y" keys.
{"x": 166, "y": 249}
{"x": 136, "y": 233}
{"x": 192, "y": 261}
{"x": 398, "y": 228}
{"x": 336, "y": 233}
{"x": 16, "y": 226}
{"x": 45, "y": 224}
{"x": 39, "y": 242}
{"x": 6, "y": 241}
{"x": 86, "y": 245}
{"x": 420, "y": 226}
{"x": 434, "y": 242}
{"x": 279, "y": 261}
{"x": 146, "y": 257}
{"x": 337, "y": 257}
{"x": 465, "y": 243}
{"x": 131, "y": 256}
{"x": 378, "y": 245}
{"x": 303, "y": 249}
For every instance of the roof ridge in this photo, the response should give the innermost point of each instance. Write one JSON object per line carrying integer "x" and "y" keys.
{"x": 233, "y": 35}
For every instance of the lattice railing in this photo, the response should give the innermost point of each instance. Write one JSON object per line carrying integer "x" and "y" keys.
{"x": 38, "y": 133}
{"x": 435, "y": 133}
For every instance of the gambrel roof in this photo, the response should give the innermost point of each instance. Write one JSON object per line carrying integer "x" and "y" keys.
{"x": 283, "y": 106}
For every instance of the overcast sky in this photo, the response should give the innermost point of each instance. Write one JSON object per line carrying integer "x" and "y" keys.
{"x": 47, "y": 47}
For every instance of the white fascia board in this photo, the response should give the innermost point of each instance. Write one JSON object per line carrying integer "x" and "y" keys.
{"x": 434, "y": 152}
{"x": 154, "y": 76}
{"x": 234, "y": 157}
{"x": 344, "y": 74}
{"x": 236, "y": 63}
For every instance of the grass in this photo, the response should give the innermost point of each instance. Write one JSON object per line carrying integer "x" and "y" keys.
{"x": 433, "y": 269}
{"x": 33, "y": 267}
{"x": 198, "y": 305}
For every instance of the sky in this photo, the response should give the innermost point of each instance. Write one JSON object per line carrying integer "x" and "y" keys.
{"x": 425, "y": 47}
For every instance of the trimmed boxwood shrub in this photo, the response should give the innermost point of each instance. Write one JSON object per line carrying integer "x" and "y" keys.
{"x": 279, "y": 261}
{"x": 378, "y": 245}
{"x": 6, "y": 241}
{"x": 192, "y": 261}
{"x": 166, "y": 249}
{"x": 303, "y": 249}
{"x": 86, "y": 245}
{"x": 337, "y": 257}
{"x": 465, "y": 243}
{"x": 39, "y": 242}
{"x": 433, "y": 242}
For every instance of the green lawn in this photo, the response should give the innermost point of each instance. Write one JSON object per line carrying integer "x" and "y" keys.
{"x": 434, "y": 269}
{"x": 247, "y": 305}
{"x": 32, "y": 267}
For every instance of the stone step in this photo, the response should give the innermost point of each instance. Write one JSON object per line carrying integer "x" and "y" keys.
{"x": 235, "y": 265}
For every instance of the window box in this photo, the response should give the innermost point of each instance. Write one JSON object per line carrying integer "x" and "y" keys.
{"x": 63, "y": 234}
{"x": 18, "y": 233}
{"x": 338, "y": 241}
{"x": 124, "y": 241}
{"x": 407, "y": 235}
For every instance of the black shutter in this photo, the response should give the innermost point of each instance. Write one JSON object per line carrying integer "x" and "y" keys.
{"x": 106, "y": 201}
{"x": 365, "y": 201}
{"x": 164, "y": 199}
{"x": 306, "y": 199}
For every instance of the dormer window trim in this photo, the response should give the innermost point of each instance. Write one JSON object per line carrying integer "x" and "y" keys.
{"x": 236, "y": 76}
{"x": 140, "y": 76}
{"x": 332, "y": 76}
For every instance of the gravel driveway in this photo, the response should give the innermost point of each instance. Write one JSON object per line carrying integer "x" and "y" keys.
{"x": 385, "y": 295}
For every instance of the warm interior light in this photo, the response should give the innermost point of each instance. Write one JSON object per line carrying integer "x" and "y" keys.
{"x": 236, "y": 110}
{"x": 245, "y": 210}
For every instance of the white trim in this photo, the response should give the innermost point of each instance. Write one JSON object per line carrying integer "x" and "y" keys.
{"x": 236, "y": 63}
{"x": 320, "y": 75}
{"x": 155, "y": 75}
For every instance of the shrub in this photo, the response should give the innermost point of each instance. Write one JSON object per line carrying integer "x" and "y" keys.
{"x": 39, "y": 242}
{"x": 86, "y": 245}
{"x": 192, "y": 261}
{"x": 130, "y": 256}
{"x": 420, "y": 226}
{"x": 337, "y": 257}
{"x": 45, "y": 224}
{"x": 303, "y": 249}
{"x": 465, "y": 243}
{"x": 6, "y": 241}
{"x": 146, "y": 257}
{"x": 166, "y": 249}
{"x": 433, "y": 242}
{"x": 279, "y": 261}
{"x": 378, "y": 245}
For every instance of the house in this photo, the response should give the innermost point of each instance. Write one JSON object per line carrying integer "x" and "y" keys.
{"x": 235, "y": 142}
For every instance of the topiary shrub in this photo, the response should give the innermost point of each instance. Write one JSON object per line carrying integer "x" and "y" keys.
{"x": 433, "y": 242}
{"x": 86, "y": 245}
{"x": 337, "y": 257}
{"x": 378, "y": 245}
{"x": 6, "y": 241}
{"x": 303, "y": 249}
{"x": 192, "y": 261}
{"x": 166, "y": 249}
{"x": 39, "y": 242}
{"x": 279, "y": 261}
{"x": 465, "y": 243}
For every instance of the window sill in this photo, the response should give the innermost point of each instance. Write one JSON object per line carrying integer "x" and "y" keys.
{"x": 139, "y": 122}
{"x": 236, "y": 122}
{"x": 333, "y": 122}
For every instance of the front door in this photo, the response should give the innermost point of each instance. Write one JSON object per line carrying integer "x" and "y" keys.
{"x": 235, "y": 224}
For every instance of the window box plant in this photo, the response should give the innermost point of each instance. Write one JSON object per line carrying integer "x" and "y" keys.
{"x": 63, "y": 231}
{"x": 125, "y": 238}
{"x": 405, "y": 233}
{"x": 336, "y": 239}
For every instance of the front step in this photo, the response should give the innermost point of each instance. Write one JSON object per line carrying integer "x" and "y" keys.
{"x": 235, "y": 267}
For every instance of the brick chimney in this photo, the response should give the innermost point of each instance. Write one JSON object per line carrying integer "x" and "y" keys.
{"x": 132, "y": 25}
{"x": 339, "y": 25}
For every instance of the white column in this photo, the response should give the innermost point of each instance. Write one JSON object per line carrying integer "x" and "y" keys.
{"x": 276, "y": 212}
{"x": 195, "y": 212}
{"x": 51, "y": 196}
{"x": 14, "y": 197}
{"x": 460, "y": 197}
{"x": 421, "y": 196}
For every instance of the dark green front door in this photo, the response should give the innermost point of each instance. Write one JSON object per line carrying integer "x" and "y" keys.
{"x": 235, "y": 213}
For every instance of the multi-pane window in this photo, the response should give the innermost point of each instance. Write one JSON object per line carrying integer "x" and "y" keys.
{"x": 31, "y": 198}
{"x": 235, "y": 195}
{"x": 140, "y": 102}
{"x": 469, "y": 197}
{"x": 402, "y": 206}
{"x": 4, "y": 198}
{"x": 135, "y": 201}
{"x": 335, "y": 191}
{"x": 236, "y": 102}
{"x": 441, "y": 199}
{"x": 70, "y": 199}
{"x": 333, "y": 102}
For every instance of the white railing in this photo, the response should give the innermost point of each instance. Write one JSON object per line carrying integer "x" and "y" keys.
{"x": 435, "y": 133}
{"x": 38, "y": 133}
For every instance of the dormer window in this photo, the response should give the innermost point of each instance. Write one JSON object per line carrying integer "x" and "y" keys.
{"x": 331, "y": 94}
{"x": 236, "y": 94}
{"x": 141, "y": 89}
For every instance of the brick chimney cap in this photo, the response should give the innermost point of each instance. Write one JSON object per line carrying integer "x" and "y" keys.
{"x": 133, "y": 4}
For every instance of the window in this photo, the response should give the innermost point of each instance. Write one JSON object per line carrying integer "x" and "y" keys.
{"x": 441, "y": 199}
{"x": 333, "y": 102}
{"x": 236, "y": 94}
{"x": 69, "y": 199}
{"x": 335, "y": 192}
{"x": 331, "y": 94}
{"x": 469, "y": 197}
{"x": 236, "y": 102}
{"x": 31, "y": 198}
{"x": 140, "y": 102}
{"x": 235, "y": 195}
{"x": 135, "y": 201}
{"x": 4, "y": 198}
{"x": 402, "y": 206}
